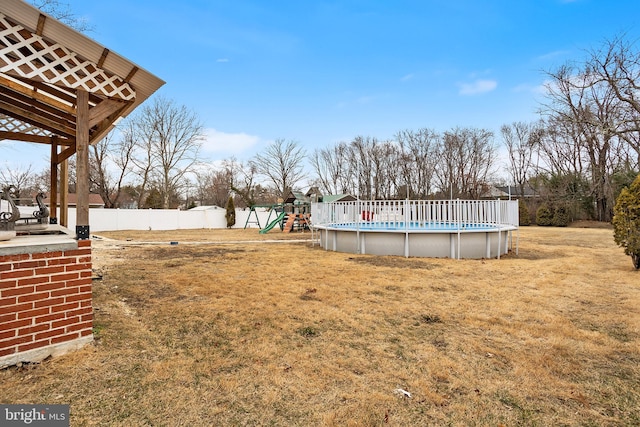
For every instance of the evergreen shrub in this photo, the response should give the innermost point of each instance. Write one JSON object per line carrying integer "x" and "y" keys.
{"x": 561, "y": 217}
{"x": 626, "y": 221}
{"x": 544, "y": 215}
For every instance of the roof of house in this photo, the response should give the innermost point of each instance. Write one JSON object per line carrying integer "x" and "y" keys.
{"x": 95, "y": 200}
{"x": 493, "y": 193}
{"x": 205, "y": 208}
{"x": 509, "y": 191}
{"x": 327, "y": 198}
{"x": 514, "y": 190}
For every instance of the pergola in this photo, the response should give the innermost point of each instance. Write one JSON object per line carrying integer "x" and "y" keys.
{"x": 59, "y": 87}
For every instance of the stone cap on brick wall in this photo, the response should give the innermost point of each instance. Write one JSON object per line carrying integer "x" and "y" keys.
{"x": 58, "y": 239}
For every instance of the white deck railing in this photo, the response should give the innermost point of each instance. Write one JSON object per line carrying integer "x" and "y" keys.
{"x": 430, "y": 214}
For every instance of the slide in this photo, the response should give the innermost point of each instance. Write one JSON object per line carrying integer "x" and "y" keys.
{"x": 289, "y": 225}
{"x": 273, "y": 223}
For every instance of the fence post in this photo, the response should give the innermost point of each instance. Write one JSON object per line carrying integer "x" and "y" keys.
{"x": 458, "y": 219}
{"x": 357, "y": 215}
{"x": 499, "y": 230}
{"x": 406, "y": 225}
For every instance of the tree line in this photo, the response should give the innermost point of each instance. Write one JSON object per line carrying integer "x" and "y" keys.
{"x": 416, "y": 164}
{"x": 579, "y": 154}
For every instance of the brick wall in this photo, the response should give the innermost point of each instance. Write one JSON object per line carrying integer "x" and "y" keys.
{"x": 45, "y": 303}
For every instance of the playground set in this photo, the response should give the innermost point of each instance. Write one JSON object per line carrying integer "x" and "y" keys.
{"x": 293, "y": 214}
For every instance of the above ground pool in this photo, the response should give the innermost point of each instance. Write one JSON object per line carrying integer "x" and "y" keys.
{"x": 418, "y": 228}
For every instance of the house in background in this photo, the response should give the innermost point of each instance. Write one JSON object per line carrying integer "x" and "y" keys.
{"x": 206, "y": 208}
{"x": 95, "y": 200}
{"x": 338, "y": 198}
{"x": 510, "y": 192}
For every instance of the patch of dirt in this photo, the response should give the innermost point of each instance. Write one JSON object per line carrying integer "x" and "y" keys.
{"x": 164, "y": 253}
{"x": 393, "y": 262}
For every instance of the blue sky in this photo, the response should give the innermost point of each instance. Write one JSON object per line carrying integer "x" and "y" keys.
{"x": 321, "y": 72}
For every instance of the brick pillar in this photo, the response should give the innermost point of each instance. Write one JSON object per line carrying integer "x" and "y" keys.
{"x": 45, "y": 303}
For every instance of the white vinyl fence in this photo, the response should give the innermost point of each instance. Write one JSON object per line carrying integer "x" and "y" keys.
{"x": 165, "y": 219}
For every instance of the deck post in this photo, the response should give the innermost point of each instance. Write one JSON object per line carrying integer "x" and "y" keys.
{"x": 53, "y": 196}
{"x": 82, "y": 165}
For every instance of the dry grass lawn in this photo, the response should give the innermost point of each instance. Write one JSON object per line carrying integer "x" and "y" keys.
{"x": 228, "y": 327}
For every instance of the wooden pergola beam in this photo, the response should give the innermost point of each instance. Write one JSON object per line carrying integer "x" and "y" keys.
{"x": 28, "y": 115}
{"x": 103, "y": 57}
{"x": 37, "y": 95}
{"x": 40, "y": 28}
{"x": 53, "y": 179}
{"x": 38, "y": 139}
{"x": 65, "y": 154}
{"x": 103, "y": 110}
{"x": 82, "y": 164}
{"x": 64, "y": 193}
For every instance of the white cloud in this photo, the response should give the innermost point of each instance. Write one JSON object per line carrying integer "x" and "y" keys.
{"x": 526, "y": 87}
{"x": 477, "y": 87}
{"x": 406, "y": 78}
{"x": 222, "y": 60}
{"x": 228, "y": 143}
{"x": 552, "y": 55}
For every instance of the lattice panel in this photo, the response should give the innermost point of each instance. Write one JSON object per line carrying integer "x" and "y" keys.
{"x": 10, "y": 124}
{"x": 29, "y": 55}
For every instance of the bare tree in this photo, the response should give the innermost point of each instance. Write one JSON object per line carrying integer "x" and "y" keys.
{"x": 386, "y": 174}
{"x": 376, "y": 169}
{"x": 466, "y": 164}
{"x": 169, "y": 141}
{"x": 559, "y": 150}
{"x": 361, "y": 158}
{"x": 21, "y": 178}
{"x": 110, "y": 163}
{"x": 420, "y": 152}
{"x": 522, "y": 140}
{"x": 248, "y": 192}
{"x": 215, "y": 185}
{"x": 331, "y": 168}
{"x": 617, "y": 64}
{"x": 143, "y": 156}
{"x": 590, "y": 110}
{"x": 241, "y": 184}
{"x": 99, "y": 176}
{"x": 451, "y": 161}
{"x": 212, "y": 185}
{"x": 282, "y": 164}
